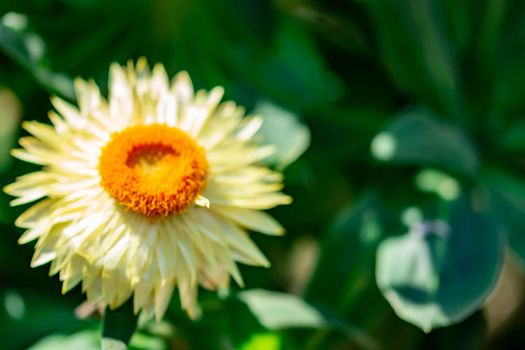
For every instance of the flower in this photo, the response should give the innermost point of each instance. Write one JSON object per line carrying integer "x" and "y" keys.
{"x": 153, "y": 188}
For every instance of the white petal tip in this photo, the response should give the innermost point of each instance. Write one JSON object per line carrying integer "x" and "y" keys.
{"x": 42, "y": 259}
{"x": 24, "y": 240}
{"x": 202, "y": 202}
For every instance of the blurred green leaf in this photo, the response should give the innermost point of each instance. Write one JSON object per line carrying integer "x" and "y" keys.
{"x": 310, "y": 180}
{"x": 285, "y": 131}
{"x": 33, "y": 315}
{"x": 437, "y": 275}
{"x": 509, "y": 72}
{"x": 508, "y": 203}
{"x": 291, "y": 70}
{"x": 416, "y": 137}
{"x": 348, "y": 250}
{"x": 459, "y": 21}
{"x": 434, "y": 181}
{"x": 141, "y": 341}
{"x": 416, "y": 50}
{"x": 341, "y": 24}
{"x": 513, "y": 139}
{"x": 276, "y": 311}
{"x": 84, "y": 340}
{"x": 280, "y": 310}
{"x": 348, "y": 253}
{"x": 28, "y": 50}
{"x": 119, "y": 324}
{"x": 263, "y": 341}
{"x": 89, "y": 339}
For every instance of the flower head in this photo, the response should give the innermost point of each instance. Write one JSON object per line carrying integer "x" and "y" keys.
{"x": 151, "y": 189}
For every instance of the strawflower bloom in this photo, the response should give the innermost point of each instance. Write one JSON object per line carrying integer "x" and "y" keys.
{"x": 151, "y": 189}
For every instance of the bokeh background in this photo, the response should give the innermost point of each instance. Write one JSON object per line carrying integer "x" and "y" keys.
{"x": 400, "y": 128}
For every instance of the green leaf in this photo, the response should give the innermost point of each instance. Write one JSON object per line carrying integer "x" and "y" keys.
{"x": 285, "y": 131}
{"x": 435, "y": 279}
{"x": 28, "y": 49}
{"x": 508, "y": 203}
{"x": 509, "y": 72}
{"x": 513, "y": 139}
{"x": 84, "y": 340}
{"x": 344, "y": 281}
{"x": 34, "y": 315}
{"x": 347, "y": 254}
{"x": 291, "y": 70}
{"x": 119, "y": 325}
{"x": 416, "y": 50}
{"x": 263, "y": 341}
{"x": 280, "y": 310}
{"x": 140, "y": 341}
{"x": 417, "y": 137}
{"x": 89, "y": 339}
{"x": 434, "y": 181}
{"x": 276, "y": 311}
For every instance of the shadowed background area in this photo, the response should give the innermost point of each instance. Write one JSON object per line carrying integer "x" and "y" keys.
{"x": 400, "y": 129}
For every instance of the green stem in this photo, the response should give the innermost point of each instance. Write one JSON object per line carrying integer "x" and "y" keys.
{"x": 118, "y": 326}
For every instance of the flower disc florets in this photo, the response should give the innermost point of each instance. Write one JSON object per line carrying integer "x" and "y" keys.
{"x": 153, "y": 170}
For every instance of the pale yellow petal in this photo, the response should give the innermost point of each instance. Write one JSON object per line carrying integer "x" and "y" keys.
{"x": 253, "y": 219}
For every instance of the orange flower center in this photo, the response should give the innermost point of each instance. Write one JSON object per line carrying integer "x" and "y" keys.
{"x": 155, "y": 170}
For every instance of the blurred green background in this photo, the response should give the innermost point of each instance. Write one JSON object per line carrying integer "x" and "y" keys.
{"x": 407, "y": 229}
